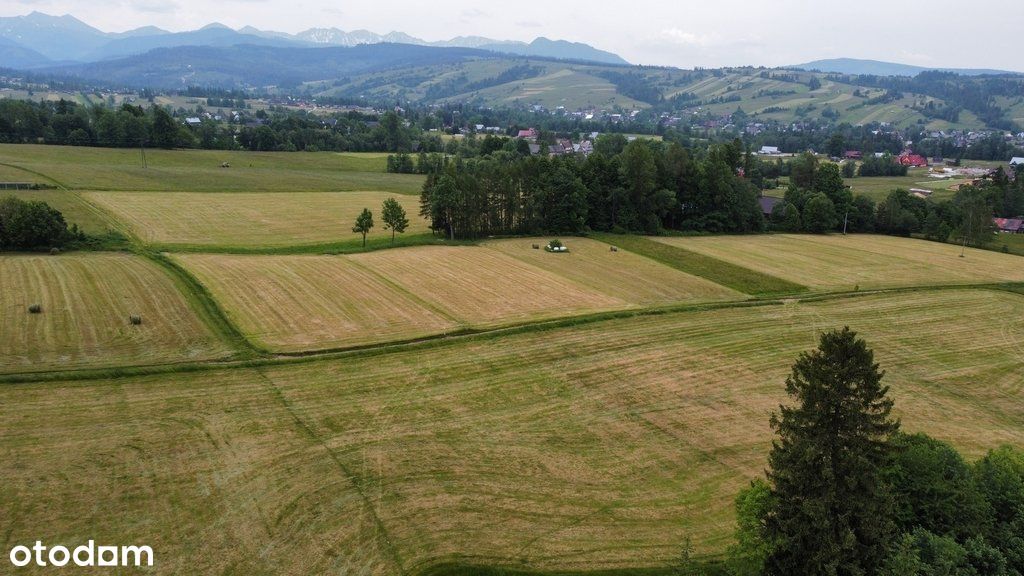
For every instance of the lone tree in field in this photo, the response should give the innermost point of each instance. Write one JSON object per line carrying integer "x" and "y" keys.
{"x": 832, "y": 509}
{"x": 364, "y": 222}
{"x": 394, "y": 217}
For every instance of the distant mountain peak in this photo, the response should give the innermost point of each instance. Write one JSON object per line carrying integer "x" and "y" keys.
{"x": 78, "y": 41}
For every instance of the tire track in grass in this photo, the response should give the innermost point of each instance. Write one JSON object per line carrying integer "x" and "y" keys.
{"x": 382, "y": 534}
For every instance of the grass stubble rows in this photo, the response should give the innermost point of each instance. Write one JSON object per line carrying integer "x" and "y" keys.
{"x": 599, "y": 446}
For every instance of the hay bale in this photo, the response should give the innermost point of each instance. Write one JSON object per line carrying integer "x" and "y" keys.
{"x": 135, "y": 319}
{"x": 536, "y": 246}
{"x": 54, "y": 251}
{"x": 35, "y": 309}
{"x": 614, "y": 249}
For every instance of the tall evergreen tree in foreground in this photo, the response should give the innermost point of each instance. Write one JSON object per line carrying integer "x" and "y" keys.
{"x": 832, "y": 509}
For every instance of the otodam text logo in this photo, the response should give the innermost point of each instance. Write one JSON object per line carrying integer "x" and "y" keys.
{"x": 86, "y": 555}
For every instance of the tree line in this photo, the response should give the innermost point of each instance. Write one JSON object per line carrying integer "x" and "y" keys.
{"x": 642, "y": 186}
{"x": 653, "y": 187}
{"x": 278, "y": 129}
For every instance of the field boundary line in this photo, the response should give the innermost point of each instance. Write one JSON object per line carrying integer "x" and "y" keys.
{"x": 382, "y": 531}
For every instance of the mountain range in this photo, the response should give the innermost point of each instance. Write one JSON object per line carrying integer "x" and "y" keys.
{"x": 877, "y": 68}
{"x": 39, "y": 40}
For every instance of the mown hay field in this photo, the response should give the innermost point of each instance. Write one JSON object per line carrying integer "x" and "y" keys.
{"x": 293, "y": 303}
{"x": 598, "y": 446}
{"x": 84, "y": 168}
{"x": 249, "y": 220}
{"x": 484, "y": 287}
{"x": 86, "y": 301}
{"x": 621, "y": 274}
{"x": 836, "y": 262}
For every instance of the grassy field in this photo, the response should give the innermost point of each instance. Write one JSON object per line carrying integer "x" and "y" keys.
{"x": 837, "y": 262}
{"x": 597, "y": 446}
{"x": 879, "y": 188}
{"x": 84, "y": 168}
{"x": 86, "y": 301}
{"x": 1014, "y": 243}
{"x": 621, "y": 274}
{"x": 241, "y": 219}
{"x": 484, "y": 287}
{"x": 289, "y": 303}
{"x": 296, "y": 303}
{"x": 746, "y": 280}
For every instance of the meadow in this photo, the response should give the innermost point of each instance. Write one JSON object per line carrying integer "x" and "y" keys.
{"x": 250, "y": 220}
{"x": 837, "y": 262}
{"x": 296, "y": 303}
{"x": 484, "y": 287}
{"x": 597, "y": 446}
{"x": 878, "y": 188}
{"x": 101, "y": 169}
{"x": 432, "y": 408}
{"x": 86, "y": 301}
{"x": 621, "y": 274}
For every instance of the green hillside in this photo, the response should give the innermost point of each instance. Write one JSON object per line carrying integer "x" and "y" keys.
{"x": 765, "y": 95}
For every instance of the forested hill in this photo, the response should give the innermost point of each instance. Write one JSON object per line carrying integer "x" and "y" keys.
{"x": 877, "y": 68}
{"x": 247, "y": 65}
{"x": 743, "y": 96}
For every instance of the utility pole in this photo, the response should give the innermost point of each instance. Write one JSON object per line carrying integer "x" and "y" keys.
{"x": 846, "y": 218}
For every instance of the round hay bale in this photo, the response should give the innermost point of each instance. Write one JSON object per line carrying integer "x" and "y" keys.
{"x": 536, "y": 246}
{"x": 135, "y": 319}
{"x": 614, "y": 249}
{"x": 54, "y": 251}
{"x": 35, "y": 309}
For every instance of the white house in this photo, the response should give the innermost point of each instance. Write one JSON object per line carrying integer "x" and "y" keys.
{"x": 1017, "y": 161}
{"x": 769, "y": 150}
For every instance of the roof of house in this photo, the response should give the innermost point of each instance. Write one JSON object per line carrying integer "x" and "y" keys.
{"x": 1016, "y": 160}
{"x": 768, "y": 203}
{"x": 1009, "y": 224}
{"x": 769, "y": 149}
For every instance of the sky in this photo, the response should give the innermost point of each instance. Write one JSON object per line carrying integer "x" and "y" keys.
{"x": 682, "y": 33}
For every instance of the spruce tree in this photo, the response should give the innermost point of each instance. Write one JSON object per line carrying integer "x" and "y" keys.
{"x": 832, "y": 511}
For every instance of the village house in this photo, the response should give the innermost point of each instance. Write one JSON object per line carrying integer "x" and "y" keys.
{"x": 853, "y": 155}
{"x": 908, "y": 158}
{"x": 768, "y": 204}
{"x": 1016, "y": 161}
{"x": 769, "y": 151}
{"x": 1009, "y": 225}
{"x": 528, "y": 134}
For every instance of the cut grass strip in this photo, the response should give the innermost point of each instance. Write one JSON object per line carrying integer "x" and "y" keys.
{"x": 206, "y": 306}
{"x": 729, "y": 275}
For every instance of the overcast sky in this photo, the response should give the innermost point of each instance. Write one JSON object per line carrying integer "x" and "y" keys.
{"x": 684, "y": 33}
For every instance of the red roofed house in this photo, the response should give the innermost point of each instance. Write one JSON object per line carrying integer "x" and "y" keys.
{"x": 853, "y": 155}
{"x": 1009, "y": 225}
{"x": 529, "y": 134}
{"x": 908, "y": 158}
